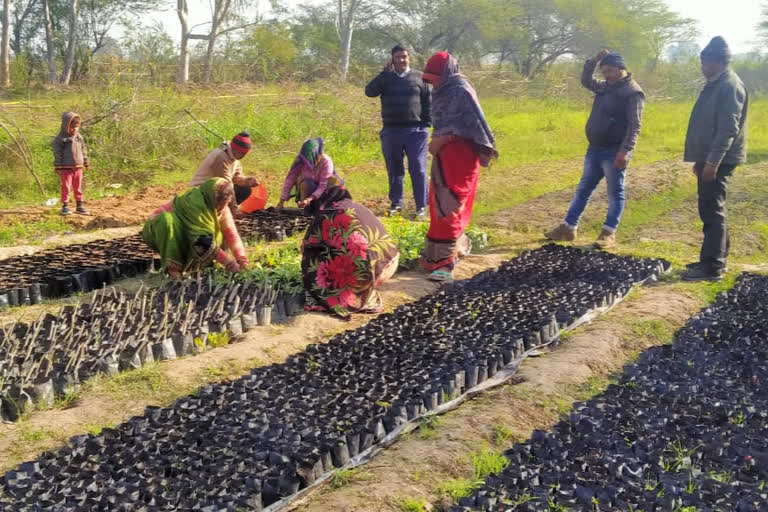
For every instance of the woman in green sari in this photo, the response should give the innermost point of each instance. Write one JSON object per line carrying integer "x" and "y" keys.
{"x": 192, "y": 231}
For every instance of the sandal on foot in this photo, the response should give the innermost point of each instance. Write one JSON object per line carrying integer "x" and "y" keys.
{"x": 440, "y": 275}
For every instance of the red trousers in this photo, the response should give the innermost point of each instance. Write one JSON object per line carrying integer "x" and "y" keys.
{"x": 71, "y": 180}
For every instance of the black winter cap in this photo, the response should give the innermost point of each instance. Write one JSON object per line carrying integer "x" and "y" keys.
{"x": 717, "y": 50}
{"x": 614, "y": 59}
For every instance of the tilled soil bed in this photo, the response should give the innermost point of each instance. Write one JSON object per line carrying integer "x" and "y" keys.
{"x": 76, "y": 268}
{"x": 257, "y": 440}
{"x": 685, "y": 428}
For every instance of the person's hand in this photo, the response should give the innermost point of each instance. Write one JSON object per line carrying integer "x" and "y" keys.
{"x": 243, "y": 263}
{"x": 239, "y": 214}
{"x": 174, "y": 273}
{"x": 694, "y": 170}
{"x": 621, "y": 160}
{"x": 87, "y": 167}
{"x": 251, "y": 182}
{"x": 304, "y": 202}
{"x": 436, "y": 144}
{"x": 232, "y": 266}
{"x": 709, "y": 173}
{"x": 602, "y": 53}
{"x": 389, "y": 66}
{"x": 279, "y": 206}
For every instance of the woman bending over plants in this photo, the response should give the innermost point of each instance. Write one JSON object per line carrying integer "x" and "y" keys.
{"x": 194, "y": 229}
{"x": 347, "y": 253}
{"x": 312, "y": 173}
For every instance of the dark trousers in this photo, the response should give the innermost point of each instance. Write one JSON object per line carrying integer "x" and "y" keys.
{"x": 395, "y": 144}
{"x": 714, "y": 214}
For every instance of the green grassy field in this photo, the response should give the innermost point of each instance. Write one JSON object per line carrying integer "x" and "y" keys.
{"x": 143, "y": 137}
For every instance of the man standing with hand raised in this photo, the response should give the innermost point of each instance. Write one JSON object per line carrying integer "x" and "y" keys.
{"x": 406, "y": 103}
{"x": 612, "y": 131}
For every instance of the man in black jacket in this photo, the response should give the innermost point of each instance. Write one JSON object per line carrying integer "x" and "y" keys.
{"x": 716, "y": 143}
{"x": 406, "y": 103}
{"x": 612, "y": 131}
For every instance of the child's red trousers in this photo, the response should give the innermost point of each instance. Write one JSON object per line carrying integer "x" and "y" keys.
{"x": 71, "y": 181}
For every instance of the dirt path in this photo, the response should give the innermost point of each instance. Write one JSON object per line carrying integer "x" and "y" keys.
{"x": 747, "y": 217}
{"x": 416, "y": 466}
{"x": 547, "y": 210}
{"x": 109, "y": 403}
{"x": 105, "y": 212}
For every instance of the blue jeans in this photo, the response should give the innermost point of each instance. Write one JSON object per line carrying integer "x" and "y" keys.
{"x": 396, "y": 143}
{"x": 598, "y": 164}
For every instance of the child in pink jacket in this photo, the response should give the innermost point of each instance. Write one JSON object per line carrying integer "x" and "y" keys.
{"x": 69, "y": 159}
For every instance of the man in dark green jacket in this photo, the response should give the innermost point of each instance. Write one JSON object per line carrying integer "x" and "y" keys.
{"x": 716, "y": 143}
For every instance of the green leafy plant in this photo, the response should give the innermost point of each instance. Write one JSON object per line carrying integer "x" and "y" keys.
{"x": 218, "y": 339}
{"x": 411, "y": 505}
{"x": 409, "y": 237}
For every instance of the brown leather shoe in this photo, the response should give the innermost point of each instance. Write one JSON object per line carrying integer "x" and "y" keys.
{"x": 606, "y": 240}
{"x": 562, "y": 233}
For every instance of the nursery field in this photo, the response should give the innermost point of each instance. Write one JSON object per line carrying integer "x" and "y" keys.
{"x": 545, "y": 378}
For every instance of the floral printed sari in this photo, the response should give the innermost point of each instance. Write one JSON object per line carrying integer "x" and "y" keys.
{"x": 347, "y": 253}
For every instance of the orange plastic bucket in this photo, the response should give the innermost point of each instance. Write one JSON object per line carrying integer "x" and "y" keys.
{"x": 257, "y": 200}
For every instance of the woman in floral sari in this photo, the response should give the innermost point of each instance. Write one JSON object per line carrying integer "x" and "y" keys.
{"x": 461, "y": 143}
{"x": 347, "y": 253}
{"x": 194, "y": 229}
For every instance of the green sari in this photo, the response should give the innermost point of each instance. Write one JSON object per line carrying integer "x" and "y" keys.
{"x": 189, "y": 235}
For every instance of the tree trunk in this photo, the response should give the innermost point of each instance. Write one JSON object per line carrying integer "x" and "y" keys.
{"x": 221, "y": 9}
{"x": 66, "y": 75}
{"x": 345, "y": 37}
{"x": 5, "y": 50}
{"x": 207, "y": 67}
{"x": 182, "y": 10}
{"x": 50, "y": 50}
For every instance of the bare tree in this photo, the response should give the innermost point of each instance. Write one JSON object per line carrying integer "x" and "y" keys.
{"x": 5, "y": 46}
{"x": 69, "y": 61}
{"x": 223, "y": 13}
{"x": 182, "y": 10}
{"x": 100, "y": 17}
{"x": 350, "y": 15}
{"x": 26, "y": 25}
{"x": 50, "y": 49}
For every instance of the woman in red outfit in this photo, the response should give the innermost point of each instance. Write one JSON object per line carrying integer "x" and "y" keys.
{"x": 461, "y": 143}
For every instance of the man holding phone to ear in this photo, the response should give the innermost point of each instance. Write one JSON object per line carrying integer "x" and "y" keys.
{"x": 406, "y": 104}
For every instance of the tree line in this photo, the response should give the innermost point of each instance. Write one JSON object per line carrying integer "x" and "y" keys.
{"x": 63, "y": 41}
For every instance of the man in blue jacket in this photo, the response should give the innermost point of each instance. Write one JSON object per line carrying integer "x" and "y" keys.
{"x": 406, "y": 103}
{"x": 716, "y": 143}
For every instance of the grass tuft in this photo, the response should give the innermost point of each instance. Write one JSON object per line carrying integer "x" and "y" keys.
{"x": 342, "y": 477}
{"x": 411, "y": 505}
{"x": 485, "y": 462}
